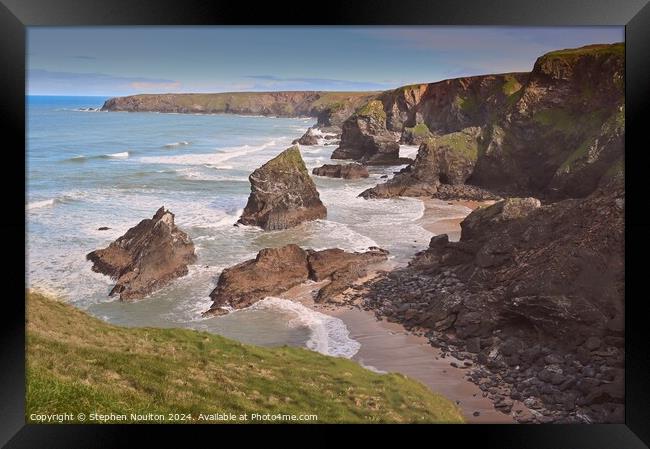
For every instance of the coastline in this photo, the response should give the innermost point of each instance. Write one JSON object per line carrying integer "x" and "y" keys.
{"x": 389, "y": 347}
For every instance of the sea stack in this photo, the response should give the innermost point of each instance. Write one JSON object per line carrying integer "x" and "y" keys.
{"x": 283, "y": 195}
{"x": 146, "y": 258}
{"x": 366, "y": 139}
{"x": 447, "y": 159}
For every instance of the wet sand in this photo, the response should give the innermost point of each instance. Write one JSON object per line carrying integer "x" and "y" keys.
{"x": 432, "y": 222}
{"x": 389, "y": 347}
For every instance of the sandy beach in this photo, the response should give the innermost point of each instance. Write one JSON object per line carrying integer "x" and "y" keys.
{"x": 451, "y": 226}
{"x": 389, "y": 347}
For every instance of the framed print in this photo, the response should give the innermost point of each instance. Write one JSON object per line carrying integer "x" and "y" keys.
{"x": 413, "y": 213}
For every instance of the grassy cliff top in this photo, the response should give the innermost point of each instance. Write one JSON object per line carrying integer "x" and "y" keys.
{"x": 617, "y": 49}
{"x": 80, "y": 364}
{"x": 373, "y": 109}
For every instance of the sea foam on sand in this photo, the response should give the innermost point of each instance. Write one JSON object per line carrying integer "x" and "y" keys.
{"x": 328, "y": 335}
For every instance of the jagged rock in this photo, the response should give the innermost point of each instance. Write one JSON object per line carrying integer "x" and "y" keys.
{"x": 309, "y": 138}
{"x": 276, "y": 270}
{"x": 447, "y": 159}
{"x": 346, "y": 171}
{"x": 483, "y": 220}
{"x": 326, "y": 262}
{"x": 273, "y": 271}
{"x": 282, "y": 194}
{"x": 465, "y": 192}
{"x": 146, "y": 258}
{"x": 366, "y": 139}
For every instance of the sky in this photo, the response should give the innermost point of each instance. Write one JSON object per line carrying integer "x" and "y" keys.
{"x": 112, "y": 61}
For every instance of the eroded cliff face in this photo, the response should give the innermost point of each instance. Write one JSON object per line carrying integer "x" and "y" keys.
{"x": 566, "y": 129}
{"x": 412, "y": 114}
{"x": 331, "y": 108}
{"x": 557, "y": 132}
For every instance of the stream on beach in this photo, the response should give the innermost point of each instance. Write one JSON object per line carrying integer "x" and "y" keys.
{"x": 88, "y": 169}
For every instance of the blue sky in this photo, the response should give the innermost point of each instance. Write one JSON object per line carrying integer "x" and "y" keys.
{"x": 127, "y": 60}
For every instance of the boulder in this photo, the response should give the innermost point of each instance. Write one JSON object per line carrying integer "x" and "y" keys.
{"x": 276, "y": 270}
{"x": 146, "y": 258}
{"x": 283, "y": 195}
{"x": 347, "y": 171}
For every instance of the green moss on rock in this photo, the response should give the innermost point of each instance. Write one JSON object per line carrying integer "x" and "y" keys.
{"x": 287, "y": 160}
{"x": 373, "y": 109}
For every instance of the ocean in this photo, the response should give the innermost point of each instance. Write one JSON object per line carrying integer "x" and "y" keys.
{"x": 88, "y": 169}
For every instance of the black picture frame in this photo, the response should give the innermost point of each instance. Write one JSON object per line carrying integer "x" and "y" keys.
{"x": 16, "y": 15}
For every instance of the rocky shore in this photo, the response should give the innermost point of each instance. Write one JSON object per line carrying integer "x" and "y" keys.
{"x": 531, "y": 297}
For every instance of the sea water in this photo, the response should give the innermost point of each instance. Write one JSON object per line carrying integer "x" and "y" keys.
{"x": 88, "y": 169}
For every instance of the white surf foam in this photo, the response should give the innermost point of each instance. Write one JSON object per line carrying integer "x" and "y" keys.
{"x": 123, "y": 154}
{"x": 213, "y": 159}
{"x": 410, "y": 151}
{"x": 38, "y": 204}
{"x": 176, "y": 144}
{"x": 328, "y": 335}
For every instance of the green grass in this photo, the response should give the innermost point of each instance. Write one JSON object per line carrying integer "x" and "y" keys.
{"x": 419, "y": 130}
{"x": 373, "y": 109}
{"x": 79, "y": 364}
{"x": 461, "y": 143}
{"x": 614, "y": 124}
{"x": 511, "y": 85}
{"x": 617, "y": 49}
{"x": 468, "y": 105}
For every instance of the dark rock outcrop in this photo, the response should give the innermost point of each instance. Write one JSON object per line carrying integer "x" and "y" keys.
{"x": 146, "y": 258}
{"x": 366, "y": 139}
{"x": 276, "y": 270}
{"x": 346, "y": 171}
{"x": 309, "y": 138}
{"x": 447, "y": 159}
{"x": 465, "y": 192}
{"x": 283, "y": 194}
{"x": 529, "y": 293}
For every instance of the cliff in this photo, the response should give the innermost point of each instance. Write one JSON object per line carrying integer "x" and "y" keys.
{"x": 557, "y": 132}
{"x": 95, "y": 367}
{"x": 330, "y": 108}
